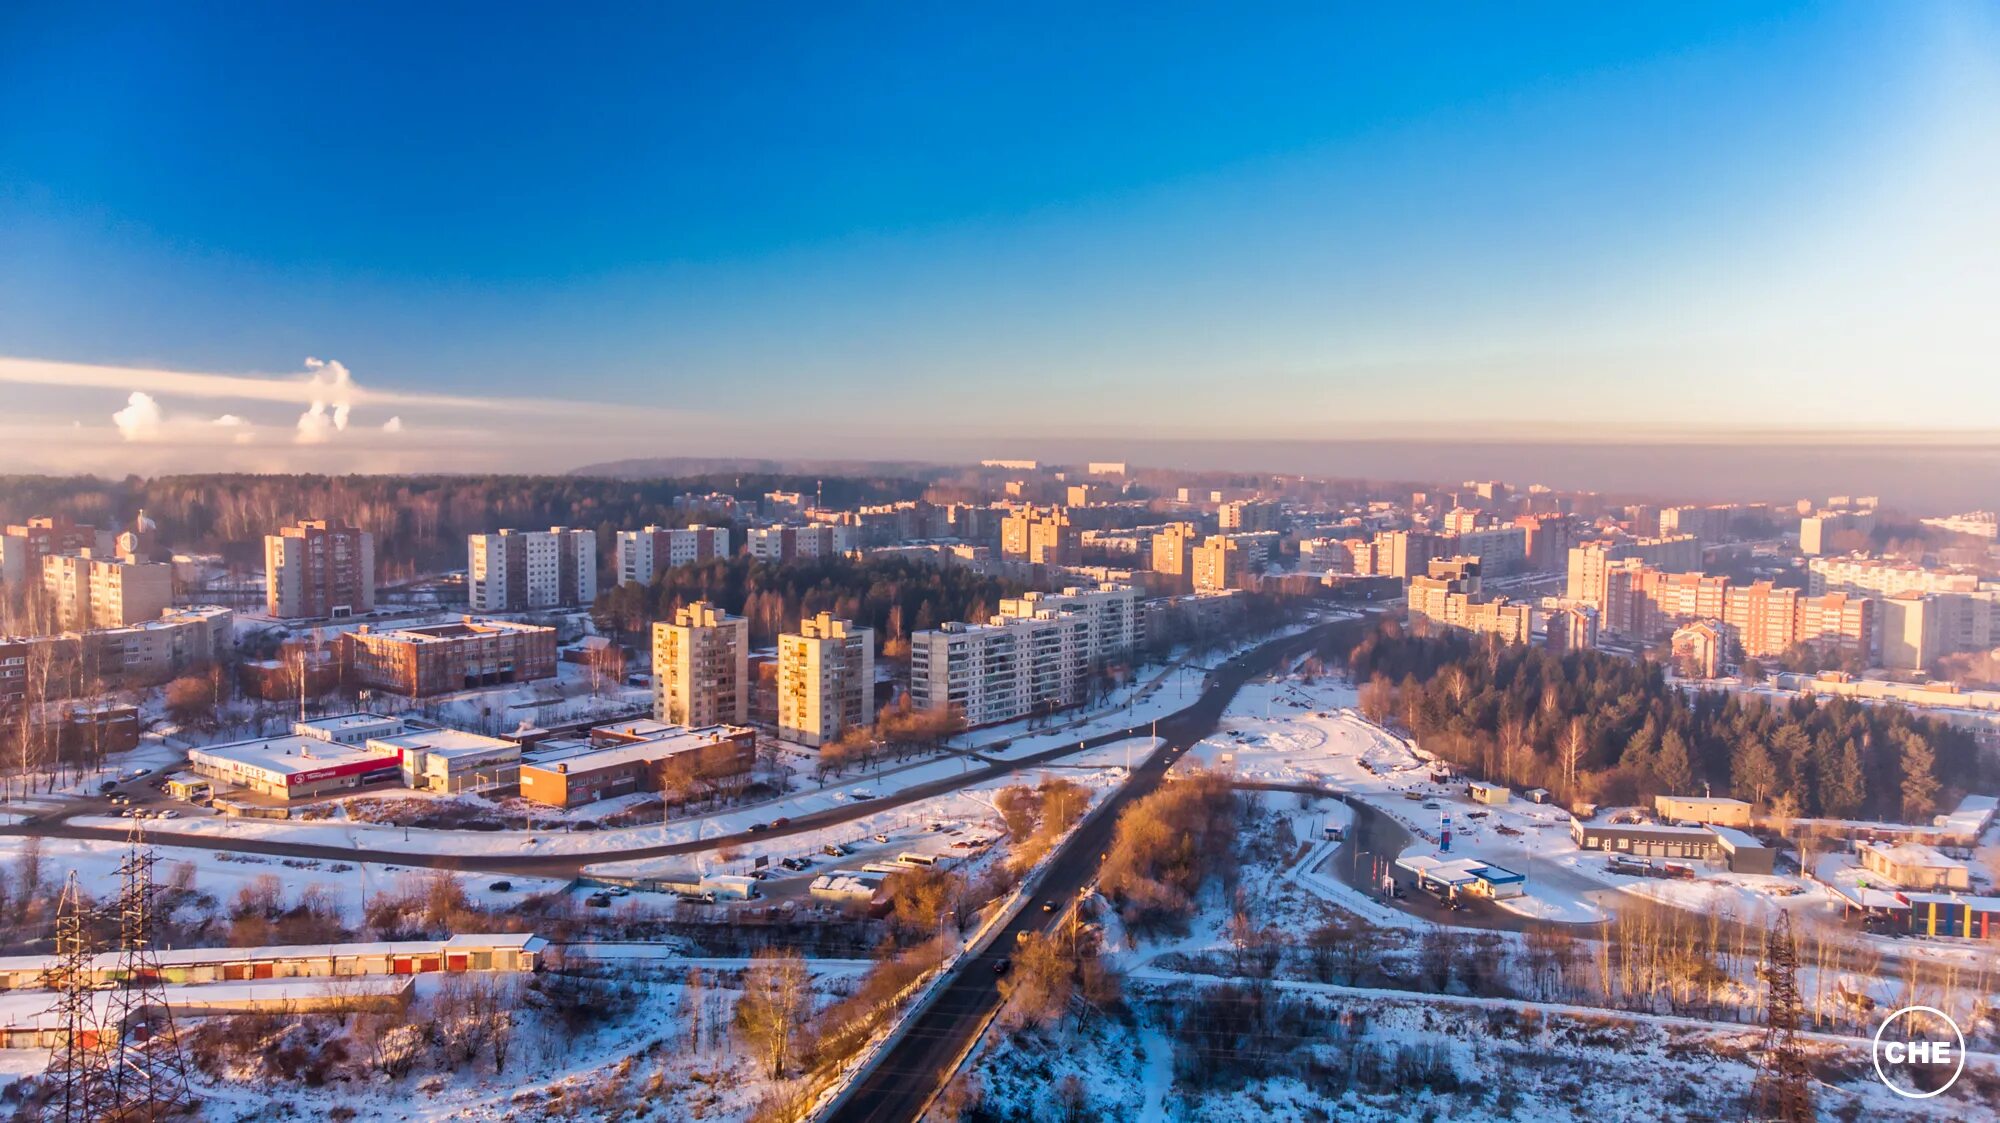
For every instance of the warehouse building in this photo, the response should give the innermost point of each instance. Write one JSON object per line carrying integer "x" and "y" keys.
{"x": 1913, "y": 865}
{"x": 635, "y": 757}
{"x": 1739, "y": 851}
{"x": 490, "y": 951}
{"x": 1703, "y": 809}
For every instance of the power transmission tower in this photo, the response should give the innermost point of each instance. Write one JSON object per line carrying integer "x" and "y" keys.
{"x": 1787, "y": 1091}
{"x": 144, "y": 1077}
{"x": 73, "y": 1065}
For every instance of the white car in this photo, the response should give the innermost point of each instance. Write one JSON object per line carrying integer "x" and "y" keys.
{"x": 170, "y": 813}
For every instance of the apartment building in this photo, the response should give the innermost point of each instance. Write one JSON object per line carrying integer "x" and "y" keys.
{"x": 418, "y": 662}
{"x": 701, "y": 663}
{"x": 1882, "y": 577}
{"x": 13, "y": 676}
{"x": 1404, "y": 553}
{"x": 1117, "y": 626}
{"x": 1590, "y": 563}
{"x": 1221, "y": 562}
{"x": 1173, "y": 552}
{"x": 643, "y": 554}
{"x": 24, "y": 545}
{"x": 1545, "y": 541}
{"x": 92, "y": 591}
{"x": 1042, "y": 537}
{"x": 1503, "y": 549}
{"x": 779, "y": 544}
{"x": 523, "y": 570}
{"x": 319, "y": 568}
{"x": 1249, "y": 515}
{"x": 826, "y": 680}
{"x": 1821, "y": 532}
{"x": 1770, "y": 621}
{"x": 1699, "y": 649}
{"x": 1449, "y": 594}
{"x": 1002, "y": 671}
{"x": 1570, "y": 628}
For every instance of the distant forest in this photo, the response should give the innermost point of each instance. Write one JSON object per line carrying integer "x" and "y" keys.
{"x": 1597, "y": 727}
{"x": 419, "y": 522}
{"x": 894, "y": 596}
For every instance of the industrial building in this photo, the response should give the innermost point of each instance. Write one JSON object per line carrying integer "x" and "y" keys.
{"x": 1739, "y": 851}
{"x": 495, "y": 951}
{"x": 634, "y": 757}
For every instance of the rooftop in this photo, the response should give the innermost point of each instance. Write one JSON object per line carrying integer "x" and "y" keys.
{"x": 293, "y": 754}
{"x": 444, "y": 742}
{"x": 581, "y": 756}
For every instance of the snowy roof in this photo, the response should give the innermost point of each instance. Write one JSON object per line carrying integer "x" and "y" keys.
{"x": 191, "y": 957}
{"x": 341, "y": 723}
{"x": 31, "y": 1009}
{"x": 290, "y": 756}
{"x": 1733, "y": 839}
{"x": 677, "y": 740}
{"x": 445, "y": 742}
{"x": 1911, "y": 854}
{"x": 1983, "y": 904}
{"x": 1973, "y": 814}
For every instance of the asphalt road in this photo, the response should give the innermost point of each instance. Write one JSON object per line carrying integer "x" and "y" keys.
{"x": 903, "y": 1082}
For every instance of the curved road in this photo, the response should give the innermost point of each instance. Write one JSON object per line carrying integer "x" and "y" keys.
{"x": 906, "y": 1077}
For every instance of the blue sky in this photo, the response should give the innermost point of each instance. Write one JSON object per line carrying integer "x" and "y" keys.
{"x": 922, "y": 225}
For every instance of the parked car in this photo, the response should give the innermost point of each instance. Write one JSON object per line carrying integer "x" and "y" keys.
{"x": 880, "y": 837}
{"x": 598, "y": 900}
{"x": 170, "y": 813}
{"x": 501, "y": 886}
{"x": 1430, "y": 805}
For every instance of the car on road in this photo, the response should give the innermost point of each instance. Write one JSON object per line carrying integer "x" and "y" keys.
{"x": 758, "y": 828}
{"x": 1002, "y": 966}
{"x": 780, "y": 821}
{"x": 879, "y": 837}
{"x": 169, "y": 813}
{"x": 108, "y": 786}
{"x": 1048, "y": 906}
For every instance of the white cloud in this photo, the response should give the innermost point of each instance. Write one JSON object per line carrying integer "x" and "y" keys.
{"x": 140, "y": 419}
{"x": 393, "y": 425}
{"x": 229, "y": 419}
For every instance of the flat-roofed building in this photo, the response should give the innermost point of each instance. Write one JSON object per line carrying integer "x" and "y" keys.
{"x": 701, "y": 662}
{"x": 308, "y": 762}
{"x": 1707, "y": 810}
{"x": 1173, "y": 552}
{"x": 1913, "y": 865}
{"x": 454, "y": 761}
{"x": 1116, "y": 625}
{"x": 629, "y": 757}
{"x": 644, "y": 554}
{"x": 780, "y": 544}
{"x": 826, "y": 680}
{"x": 319, "y": 568}
{"x": 92, "y": 591}
{"x": 1002, "y": 671}
{"x": 1042, "y": 537}
{"x": 418, "y": 662}
{"x": 523, "y": 570}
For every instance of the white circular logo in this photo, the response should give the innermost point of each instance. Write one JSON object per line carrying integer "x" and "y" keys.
{"x": 1930, "y": 1053}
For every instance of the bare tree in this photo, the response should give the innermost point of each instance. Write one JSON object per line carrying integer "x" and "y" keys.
{"x": 770, "y": 1016}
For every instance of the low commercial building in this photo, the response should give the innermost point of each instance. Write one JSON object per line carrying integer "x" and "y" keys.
{"x": 1913, "y": 865}
{"x": 1648, "y": 840}
{"x": 1703, "y": 809}
{"x": 454, "y": 761}
{"x": 310, "y": 761}
{"x": 1489, "y": 793}
{"x": 492, "y": 951}
{"x": 635, "y": 757}
{"x": 440, "y": 658}
{"x": 1450, "y": 878}
{"x": 1745, "y": 852}
{"x": 1949, "y": 914}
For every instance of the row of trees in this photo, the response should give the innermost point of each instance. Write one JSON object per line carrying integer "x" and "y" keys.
{"x": 1597, "y": 727}
{"x": 419, "y": 522}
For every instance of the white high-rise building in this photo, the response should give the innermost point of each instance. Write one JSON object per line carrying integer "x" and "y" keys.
{"x": 642, "y": 554}
{"x": 1010, "y": 669}
{"x": 826, "y": 679}
{"x": 1116, "y": 626}
{"x": 701, "y": 668}
{"x": 791, "y": 543}
{"x": 520, "y": 570}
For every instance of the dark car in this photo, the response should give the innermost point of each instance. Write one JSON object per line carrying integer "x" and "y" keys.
{"x": 1048, "y": 906}
{"x": 501, "y": 886}
{"x": 1001, "y": 967}
{"x": 598, "y": 900}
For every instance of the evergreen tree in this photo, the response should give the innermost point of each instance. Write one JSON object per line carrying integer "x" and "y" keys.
{"x": 1673, "y": 768}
